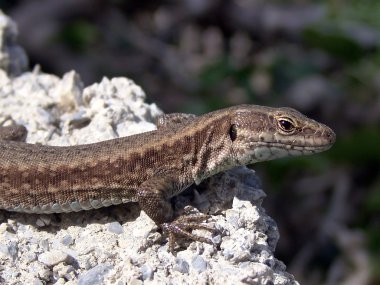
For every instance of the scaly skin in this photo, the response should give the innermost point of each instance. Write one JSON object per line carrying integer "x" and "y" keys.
{"x": 151, "y": 167}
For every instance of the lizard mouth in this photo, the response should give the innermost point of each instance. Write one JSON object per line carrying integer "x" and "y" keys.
{"x": 326, "y": 138}
{"x": 288, "y": 146}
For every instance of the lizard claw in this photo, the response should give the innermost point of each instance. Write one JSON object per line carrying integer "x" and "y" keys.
{"x": 182, "y": 225}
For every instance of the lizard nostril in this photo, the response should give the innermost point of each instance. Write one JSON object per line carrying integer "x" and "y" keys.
{"x": 331, "y": 136}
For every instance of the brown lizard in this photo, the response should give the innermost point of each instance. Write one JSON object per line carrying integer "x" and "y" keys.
{"x": 150, "y": 168}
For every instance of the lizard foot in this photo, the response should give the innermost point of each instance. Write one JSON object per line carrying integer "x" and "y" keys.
{"x": 182, "y": 225}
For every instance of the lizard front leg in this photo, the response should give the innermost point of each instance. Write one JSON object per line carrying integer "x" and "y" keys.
{"x": 154, "y": 199}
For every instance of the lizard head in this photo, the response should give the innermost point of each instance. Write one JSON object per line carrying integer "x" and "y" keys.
{"x": 263, "y": 133}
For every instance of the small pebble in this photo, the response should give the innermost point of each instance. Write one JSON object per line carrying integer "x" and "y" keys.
{"x": 147, "y": 272}
{"x": 67, "y": 240}
{"x": 3, "y": 249}
{"x": 37, "y": 282}
{"x": 216, "y": 239}
{"x": 181, "y": 265}
{"x": 115, "y": 228}
{"x": 43, "y": 221}
{"x": 95, "y": 275}
{"x": 40, "y": 223}
{"x": 199, "y": 264}
{"x": 53, "y": 257}
{"x": 228, "y": 253}
{"x": 13, "y": 250}
{"x": 44, "y": 244}
{"x": 136, "y": 282}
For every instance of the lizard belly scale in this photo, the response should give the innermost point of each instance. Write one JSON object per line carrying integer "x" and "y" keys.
{"x": 73, "y": 206}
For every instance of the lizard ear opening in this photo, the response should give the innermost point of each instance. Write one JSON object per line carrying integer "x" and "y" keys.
{"x": 233, "y": 132}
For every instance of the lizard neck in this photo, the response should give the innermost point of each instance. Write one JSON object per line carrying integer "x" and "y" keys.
{"x": 213, "y": 147}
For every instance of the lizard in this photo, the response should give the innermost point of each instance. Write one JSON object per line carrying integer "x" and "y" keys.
{"x": 152, "y": 167}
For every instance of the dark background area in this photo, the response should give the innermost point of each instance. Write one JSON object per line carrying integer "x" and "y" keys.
{"x": 320, "y": 57}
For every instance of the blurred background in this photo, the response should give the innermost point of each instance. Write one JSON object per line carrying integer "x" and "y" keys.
{"x": 320, "y": 57}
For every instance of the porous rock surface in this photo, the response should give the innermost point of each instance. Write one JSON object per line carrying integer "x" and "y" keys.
{"x": 120, "y": 244}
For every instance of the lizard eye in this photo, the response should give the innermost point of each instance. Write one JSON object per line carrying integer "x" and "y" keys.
{"x": 233, "y": 132}
{"x": 286, "y": 125}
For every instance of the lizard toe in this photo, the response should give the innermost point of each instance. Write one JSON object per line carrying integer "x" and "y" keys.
{"x": 183, "y": 225}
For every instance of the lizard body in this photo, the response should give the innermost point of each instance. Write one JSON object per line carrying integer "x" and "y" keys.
{"x": 150, "y": 168}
